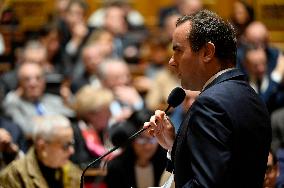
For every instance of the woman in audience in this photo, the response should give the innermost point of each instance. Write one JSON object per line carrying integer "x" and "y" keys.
{"x": 142, "y": 162}
{"x": 272, "y": 172}
{"x": 90, "y": 131}
{"x": 47, "y": 162}
{"x": 242, "y": 16}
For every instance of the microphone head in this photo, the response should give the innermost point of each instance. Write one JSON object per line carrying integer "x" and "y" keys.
{"x": 121, "y": 131}
{"x": 176, "y": 97}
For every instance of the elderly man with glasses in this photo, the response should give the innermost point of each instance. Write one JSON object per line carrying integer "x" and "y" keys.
{"x": 47, "y": 162}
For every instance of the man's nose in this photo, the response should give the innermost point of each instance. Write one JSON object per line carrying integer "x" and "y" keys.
{"x": 172, "y": 61}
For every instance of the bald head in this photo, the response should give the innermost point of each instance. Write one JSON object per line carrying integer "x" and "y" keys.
{"x": 257, "y": 34}
{"x": 114, "y": 72}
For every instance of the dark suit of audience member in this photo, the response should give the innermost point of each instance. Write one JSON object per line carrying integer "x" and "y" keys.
{"x": 76, "y": 36}
{"x": 8, "y": 81}
{"x": 272, "y": 56}
{"x": 14, "y": 145}
{"x": 256, "y": 66}
{"x": 16, "y": 133}
{"x": 277, "y": 124}
{"x": 92, "y": 56}
{"x": 256, "y": 36}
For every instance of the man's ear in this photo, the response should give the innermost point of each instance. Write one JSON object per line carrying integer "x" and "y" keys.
{"x": 209, "y": 52}
{"x": 40, "y": 143}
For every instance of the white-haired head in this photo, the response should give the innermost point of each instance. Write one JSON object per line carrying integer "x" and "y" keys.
{"x": 46, "y": 127}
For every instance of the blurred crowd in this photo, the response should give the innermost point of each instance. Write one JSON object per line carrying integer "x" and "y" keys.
{"x": 79, "y": 86}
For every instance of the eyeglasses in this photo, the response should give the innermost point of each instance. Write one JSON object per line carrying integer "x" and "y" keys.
{"x": 67, "y": 145}
{"x": 145, "y": 140}
{"x": 29, "y": 78}
{"x": 63, "y": 145}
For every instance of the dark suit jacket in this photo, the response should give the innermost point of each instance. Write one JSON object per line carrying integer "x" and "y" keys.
{"x": 225, "y": 139}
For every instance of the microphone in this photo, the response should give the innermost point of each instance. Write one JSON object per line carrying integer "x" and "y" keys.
{"x": 175, "y": 98}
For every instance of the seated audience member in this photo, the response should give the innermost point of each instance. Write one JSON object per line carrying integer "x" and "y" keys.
{"x": 90, "y": 131}
{"x": 169, "y": 27}
{"x": 190, "y": 6}
{"x": 260, "y": 80}
{"x": 35, "y": 52}
{"x": 163, "y": 12}
{"x": 272, "y": 172}
{"x": 161, "y": 86}
{"x": 142, "y": 162}
{"x": 156, "y": 53}
{"x": 133, "y": 17}
{"x": 256, "y": 35}
{"x": 50, "y": 39}
{"x": 74, "y": 33}
{"x": 277, "y": 122}
{"x": 126, "y": 41}
{"x": 12, "y": 142}
{"x": 92, "y": 56}
{"x": 182, "y": 7}
{"x": 115, "y": 75}
{"x": 242, "y": 15}
{"x": 30, "y": 99}
{"x": 47, "y": 162}
{"x": 98, "y": 47}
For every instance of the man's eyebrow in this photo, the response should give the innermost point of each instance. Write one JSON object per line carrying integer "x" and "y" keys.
{"x": 176, "y": 47}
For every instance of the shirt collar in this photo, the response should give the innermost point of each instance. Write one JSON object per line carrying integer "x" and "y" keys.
{"x": 216, "y": 76}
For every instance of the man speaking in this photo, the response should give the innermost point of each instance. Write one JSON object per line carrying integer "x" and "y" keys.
{"x": 225, "y": 138}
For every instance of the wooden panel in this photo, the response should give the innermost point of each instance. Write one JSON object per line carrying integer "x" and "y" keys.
{"x": 148, "y": 8}
{"x": 271, "y": 13}
{"x": 31, "y": 13}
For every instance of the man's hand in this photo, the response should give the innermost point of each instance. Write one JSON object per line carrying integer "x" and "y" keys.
{"x": 6, "y": 144}
{"x": 161, "y": 127}
{"x": 127, "y": 94}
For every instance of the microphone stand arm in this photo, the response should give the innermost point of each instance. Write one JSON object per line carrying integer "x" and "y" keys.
{"x": 107, "y": 153}
{"x": 113, "y": 149}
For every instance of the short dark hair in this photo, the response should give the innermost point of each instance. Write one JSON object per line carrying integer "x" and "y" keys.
{"x": 81, "y": 3}
{"x": 207, "y": 26}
